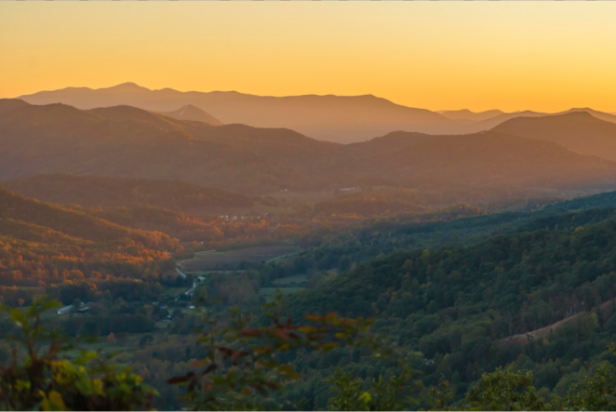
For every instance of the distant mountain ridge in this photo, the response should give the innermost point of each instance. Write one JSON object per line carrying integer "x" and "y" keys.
{"x": 334, "y": 118}
{"x": 495, "y": 159}
{"x": 342, "y": 119}
{"x": 190, "y": 112}
{"x": 466, "y": 114}
{"x": 128, "y": 142}
{"x": 577, "y": 130}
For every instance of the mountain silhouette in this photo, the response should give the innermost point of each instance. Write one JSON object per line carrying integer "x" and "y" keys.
{"x": 342, "y": 119}
{"x": 496, "y": 159}
{"x": 128, "y": 142}
{"x": 466, "y": 114}
{"x": 577, "y": 130}
{"x": 333, "y": 118}
{"x": 190, "y": 112}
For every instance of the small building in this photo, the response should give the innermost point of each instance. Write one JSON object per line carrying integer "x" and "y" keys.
{"x": 65, "y": 309}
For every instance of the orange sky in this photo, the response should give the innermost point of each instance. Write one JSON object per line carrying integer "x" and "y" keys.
{"x": 546, "y": 56}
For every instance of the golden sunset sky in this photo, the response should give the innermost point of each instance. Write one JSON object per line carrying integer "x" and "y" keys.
{"x": 546, "y": 56}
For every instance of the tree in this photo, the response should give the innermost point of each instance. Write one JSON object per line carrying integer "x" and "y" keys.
{"x": 503, "y": 390}
{"x": 595, "y": 393}
{"x": 383, "y": 394}
{"x": 243, "y": 364}
{"x": 38, "y": 378}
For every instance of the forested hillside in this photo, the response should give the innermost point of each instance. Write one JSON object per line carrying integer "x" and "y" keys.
{"x": 100, "y": 191}
{"x": 458, "y": 304}
{"x": 122, "y": 142}
{"x": 46, "y": 246}
{"x": 127, "y": 142}
{"x": 496, "y": 159}
{"x": 579, "y": 131}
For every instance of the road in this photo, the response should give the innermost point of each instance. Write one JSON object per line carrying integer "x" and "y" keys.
{"x": 189, "y": 291}
{"x": 180, "y": 273}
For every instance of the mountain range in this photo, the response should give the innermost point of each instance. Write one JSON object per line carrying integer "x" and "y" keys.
{"x": 342, "y": 119}
{"x": 129, "y": 142}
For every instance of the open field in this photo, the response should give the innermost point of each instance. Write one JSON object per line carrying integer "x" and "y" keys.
{"x": 289, "y": 280}
{"x": 215, "y": 260}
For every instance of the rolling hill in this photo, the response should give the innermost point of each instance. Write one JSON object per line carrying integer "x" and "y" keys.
{"x": 41, "y": 241}
{"x": 496, "y": 159}
{"x": 579, "y": 131}
{"x": 391, "y": 142}
{"x": 100, "y": 191}
{"x": 127, "y": 142}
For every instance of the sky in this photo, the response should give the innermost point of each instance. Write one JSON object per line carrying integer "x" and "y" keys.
{"x": 545, "y": 56}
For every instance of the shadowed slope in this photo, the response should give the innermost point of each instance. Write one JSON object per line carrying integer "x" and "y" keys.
{"x": 190, "y": 112}
{"x": 492, "y": 158}
{"x": 98, "y": 191}
{"x": 579, "y": 131}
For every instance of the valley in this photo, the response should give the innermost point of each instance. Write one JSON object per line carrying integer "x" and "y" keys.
{"x": 140, "y": 223}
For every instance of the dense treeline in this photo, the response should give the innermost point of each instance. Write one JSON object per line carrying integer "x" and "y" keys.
{"x": 325, "y": 361}
{"x": 341, "y": 248}
{"x": 375, "y": 201}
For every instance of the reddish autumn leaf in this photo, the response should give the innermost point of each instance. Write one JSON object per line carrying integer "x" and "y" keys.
{"x": 272, "y": 385}
{"x": 181, "y": 379}
{"x": 226, "y": 351}
{"x": 251, "y": 333}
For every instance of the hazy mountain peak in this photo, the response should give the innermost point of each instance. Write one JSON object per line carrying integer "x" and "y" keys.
{"x": 580, "y": 113}
{"x": 191, "y": 112}
{"x": 466, "y": 114}
{"x": 127, "y": 87}
{"x": 189, "y": 108}
{"x": 580, "y": 109}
